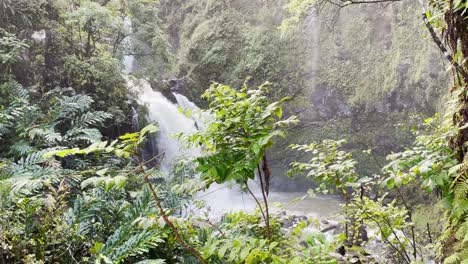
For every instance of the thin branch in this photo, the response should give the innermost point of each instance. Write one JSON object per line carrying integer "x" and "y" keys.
{"x": 214, "y": 226}
{"x": 369, "y": 216}
{"x": 256, "y": 200}
{"x": 404, "y": 256}
{"x": 429, "y": 232}
{"x": 139, "y": 54}
{"x": 213, "y": 191}
{"x": 413, "y": 243}
{"x": 168, "y": 222}
{"x": 368, "y": 2}
{"x": 359, "y": 2}
{"x": 442, "y": 48}
{"x": 396, "y": 237}
{"x": 178, "y": 236}
{"x": 267, "y": 219}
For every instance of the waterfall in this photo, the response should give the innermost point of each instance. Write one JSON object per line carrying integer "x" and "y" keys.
{"x": 201, "y": 119}
{"x": 219, "y": 197}
{"x": 128, "y": 59}
{"x": 135, "y": 119}
{"x": 169, "y": 120}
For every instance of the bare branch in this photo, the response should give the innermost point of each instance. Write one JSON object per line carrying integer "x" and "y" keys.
{"x": 343, "y": 3}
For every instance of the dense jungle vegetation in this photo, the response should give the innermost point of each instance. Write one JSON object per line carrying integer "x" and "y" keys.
{"x": 365, "y": 101}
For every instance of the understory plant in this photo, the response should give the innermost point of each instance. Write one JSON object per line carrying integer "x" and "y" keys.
{"x": 239, "y": 238}
{"x": 389, "y": 223}
{"x": 330, "y": 167}
{"x": 242, "y": 126}
{"x": 103, "y": 214}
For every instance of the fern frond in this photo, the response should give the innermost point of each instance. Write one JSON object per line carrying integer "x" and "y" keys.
{"x": 92, "y": 118}
{"x": 124, "y": 243}
{"x": 87, "y": 135}
{"x": 144, "y": 205}
{"x": 5, "y": 128}
{"x": 47, "y": 134}
{"x": 32, "y": 159}
{"x": 67, "y": 107}
{"x": 19, "y": 91}
{"x": 21, "y": 148}
{"x": 453, "y": 259}
{"x": 461, "y": 187}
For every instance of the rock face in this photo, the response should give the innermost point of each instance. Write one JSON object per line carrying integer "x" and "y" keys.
{"x": 354, "y": 73}
{"x": 374, "y": 69}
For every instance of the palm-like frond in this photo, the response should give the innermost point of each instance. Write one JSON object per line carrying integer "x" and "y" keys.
{"x": 92, "y": 118}
{"x": 86, "y": 135}
{"x": 127, "y": 241}
{"x": 67, "y": 107}
{"x": 18, "y": 91}
{"x": 21, "y": 148}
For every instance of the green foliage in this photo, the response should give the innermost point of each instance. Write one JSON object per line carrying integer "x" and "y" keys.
{"x": 329, "y": 166}
{"x": 231, "y": 41}
{"x": 10, "y": 47}
{"x": 36, "y": 230}
{"x": 237, "y": 239}
{"x": 92, "y": 16}
{"x": 431, "y": 159}
{"x": 104, "y": 211}
{"x": 150, "y": 33}
{"x": 388, "y": 220}
{"x": 79, "y": 50}
{"x": 297, "y": 10}
{"x": 18, "y": 14}
{"x": 56, "y": 121}
{"x": 243, "y": 125}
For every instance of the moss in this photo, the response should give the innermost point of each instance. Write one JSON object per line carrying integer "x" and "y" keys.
{"x": 371, "y": 70}
{"x": 424, "y": 215}
{"x": 365, "y": 65}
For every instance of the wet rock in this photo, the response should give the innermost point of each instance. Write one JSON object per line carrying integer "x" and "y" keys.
{"x": 329, "y": 228}
{"x": 341, "y": 250}
{"x": 335, "y": 255}
{"x": 292, "y": 220}
{"x": 355, "y": 260}
{"x": 304, "y": 244}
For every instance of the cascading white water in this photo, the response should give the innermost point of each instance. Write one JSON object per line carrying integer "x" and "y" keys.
{"x": 169, "y": 120}
{"x": 128, "y": 60}
{"x": 186, "y": 104}
{"x": 219, "y": 197}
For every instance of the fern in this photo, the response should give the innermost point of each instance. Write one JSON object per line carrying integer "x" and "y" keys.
{"x": 4, "y": 127}
{"x": 18, "y": 91}
{"x": 86, "y": 135}
{"x": 453, "y": 259}
{"x": 125, "y": 243}
{"x": 92, "y": 118}
{"x": 21, "y": 148}
{"x": 33, "y": 159}
{"x": 69, "y": 106}
{"x": 50, "y": 136}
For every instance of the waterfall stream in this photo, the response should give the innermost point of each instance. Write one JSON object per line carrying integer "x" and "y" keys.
{"x": 170, "y": 120}
{"x": 220, "y": 198}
